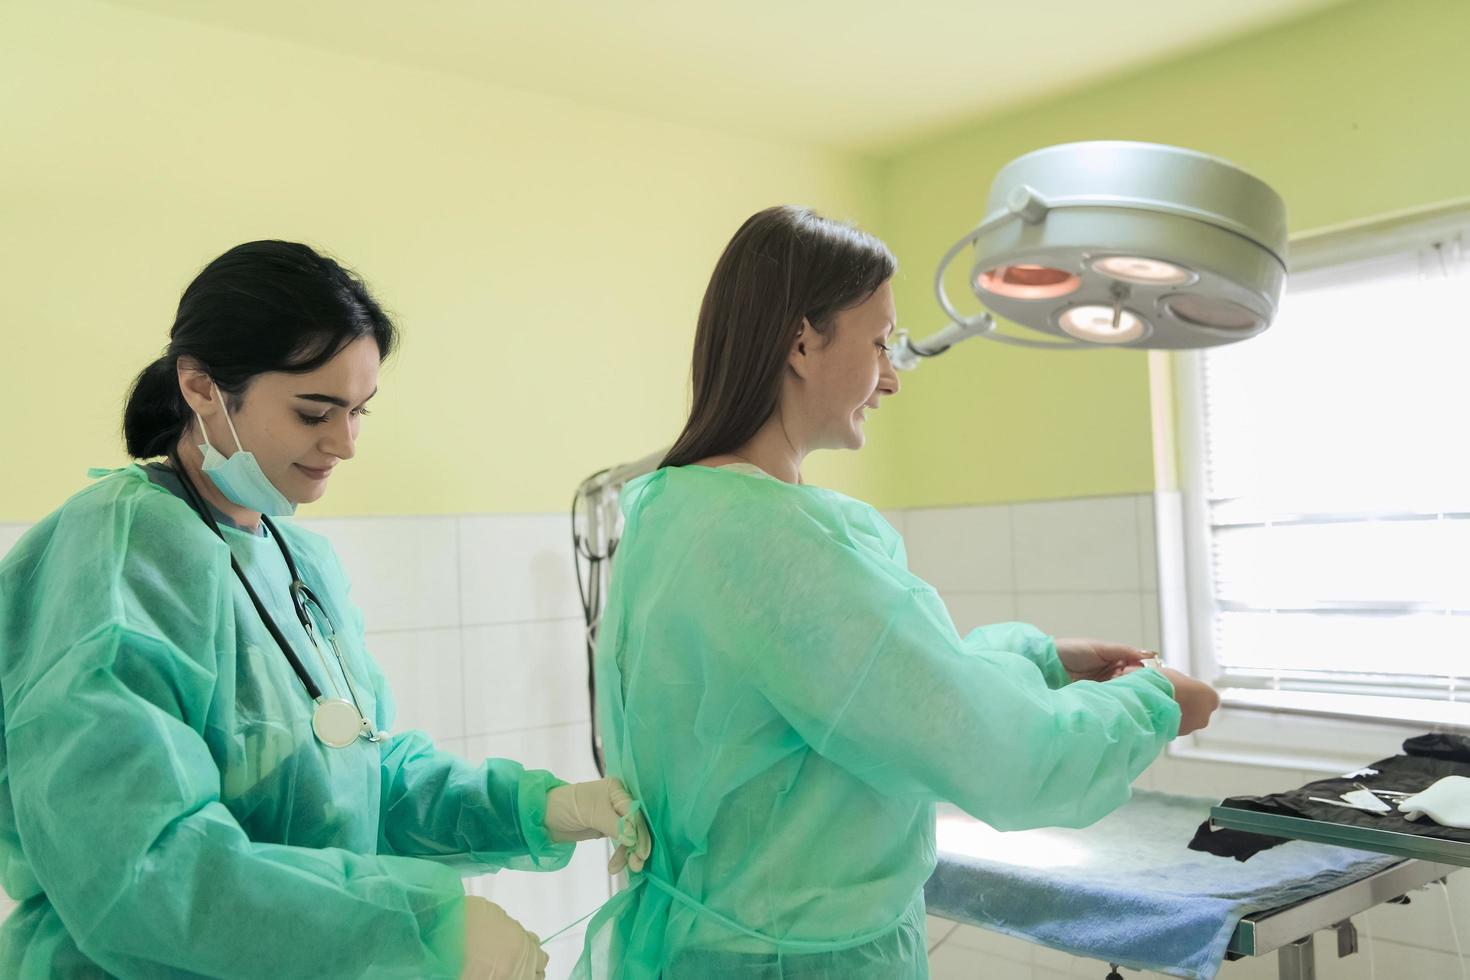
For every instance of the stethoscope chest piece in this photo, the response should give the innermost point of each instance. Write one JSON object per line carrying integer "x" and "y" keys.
{"x": 337, "y": 723}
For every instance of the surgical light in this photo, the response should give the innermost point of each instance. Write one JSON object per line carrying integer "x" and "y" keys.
{"x": 1117, "y": 244}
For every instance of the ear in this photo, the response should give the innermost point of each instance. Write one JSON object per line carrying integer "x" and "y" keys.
{"x": 797, "y": 359}
{"x": 197, "y": 387}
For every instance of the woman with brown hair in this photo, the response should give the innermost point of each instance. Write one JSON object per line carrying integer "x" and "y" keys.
{"x": 787, "y": 701}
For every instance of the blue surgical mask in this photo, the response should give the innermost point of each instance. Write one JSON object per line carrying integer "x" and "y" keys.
{"x": 240, "y": 477}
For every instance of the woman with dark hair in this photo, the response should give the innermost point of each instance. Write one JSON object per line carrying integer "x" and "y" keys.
{"x": 195, "y": 777}
{"x": 783, "y": 697}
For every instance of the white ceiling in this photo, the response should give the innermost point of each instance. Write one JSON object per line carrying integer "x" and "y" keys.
{"x": 855, "y": 74}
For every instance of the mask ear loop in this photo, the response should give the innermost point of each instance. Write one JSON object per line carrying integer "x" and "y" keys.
{"x": 239, "y": 447}
{"x": 203, "y": 431}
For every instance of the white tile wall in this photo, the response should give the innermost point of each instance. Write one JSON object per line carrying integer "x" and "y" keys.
{"x": 563, "y": 749}
{"x": 1107, "y": 615}
{"x": 525, "y": 675}
{"x": 1073, "y": 567}
{"x": 403, "y": 569}
{"x": 1148, "y": 564}
{"x": 1088, "y": 545}
{"x": 417, "y": 663}
{"x": 516, "y": 568}
{"x": 9, "y": 535}
{"x": 962, "y": 549}
{"x": 972, "y": 609}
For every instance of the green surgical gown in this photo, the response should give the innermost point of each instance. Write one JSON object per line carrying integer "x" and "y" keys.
{"x": 164, "y": 808}
{"x": 789, "y": 702}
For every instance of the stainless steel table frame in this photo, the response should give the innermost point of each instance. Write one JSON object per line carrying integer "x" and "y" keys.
{"x": 1431, "y": 859}
{"x": 1290, "y": 931}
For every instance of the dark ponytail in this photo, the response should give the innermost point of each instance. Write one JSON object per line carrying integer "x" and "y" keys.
{"x": 262, "y": 306}
{"x": 156, "y": 411}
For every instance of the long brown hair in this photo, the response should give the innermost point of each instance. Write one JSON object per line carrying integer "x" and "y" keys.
{"x": 785, "y": 264}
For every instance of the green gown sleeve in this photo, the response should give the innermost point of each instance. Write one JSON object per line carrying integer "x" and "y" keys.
{"x": 476, "y": 817}
{"x": 483, "y": 817}
{"x": 862, "y": 659}
{"x": 110, "y": 667}
{"x": 1029, "y": 642}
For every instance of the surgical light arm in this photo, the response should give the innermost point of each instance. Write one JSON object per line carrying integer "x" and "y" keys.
{"x": 907, "y": 352}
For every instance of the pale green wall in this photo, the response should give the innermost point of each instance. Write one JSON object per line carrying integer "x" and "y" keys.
{"x": 545, "y": 259}
{"x": 1359, "y": 110}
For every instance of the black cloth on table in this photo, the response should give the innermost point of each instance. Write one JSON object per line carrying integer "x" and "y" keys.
{"x": 1426, "y": 760}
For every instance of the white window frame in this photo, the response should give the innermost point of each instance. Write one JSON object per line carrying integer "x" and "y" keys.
{"x": 1294, "y": 730}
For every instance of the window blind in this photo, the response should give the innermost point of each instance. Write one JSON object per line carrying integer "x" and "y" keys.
{"x": 1337, "y": 483}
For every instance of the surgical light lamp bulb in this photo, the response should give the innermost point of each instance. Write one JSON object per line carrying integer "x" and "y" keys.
{"x": 1102, "y": 324}
{"x": 1144, "y": 272}
{"x": 1210, "y": 311}
{"x": 1028, "y": 282}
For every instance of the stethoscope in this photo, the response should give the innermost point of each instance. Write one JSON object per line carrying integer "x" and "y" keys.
{"x": 337, "y": 721}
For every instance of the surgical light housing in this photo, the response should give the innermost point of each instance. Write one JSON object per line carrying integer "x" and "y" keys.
{"x": 1122, "y": 244}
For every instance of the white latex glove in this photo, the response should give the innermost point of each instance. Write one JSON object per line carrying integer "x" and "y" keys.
{"x": 497, "y": 947}
{"x": 584, "y": 811}
{"x": 1447, "y": 802}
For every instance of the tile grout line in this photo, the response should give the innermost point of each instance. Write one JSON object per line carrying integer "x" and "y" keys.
{"x": 550, "y": 726}
{"x": 1015, "y": 578}
{"x": 464, "y": 680}
{"x": 1048, "y": 592}
{"x": 1138, "y": 525}
{"x": 560, "y": 621}
{"x": 1138, "y": 567}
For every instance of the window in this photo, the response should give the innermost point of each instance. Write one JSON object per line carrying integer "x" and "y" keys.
{"x": 1327, "y": 484}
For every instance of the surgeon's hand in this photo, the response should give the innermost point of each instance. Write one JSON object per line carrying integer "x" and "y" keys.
{"x": 583, "y": 811}
{"x": 1197, "y": 700}
{"x": 497, "y": 947}
{"x": 1099, "y": 660}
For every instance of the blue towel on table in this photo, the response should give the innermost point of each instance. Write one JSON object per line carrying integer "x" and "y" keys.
{"x": 1127, "y": 890}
